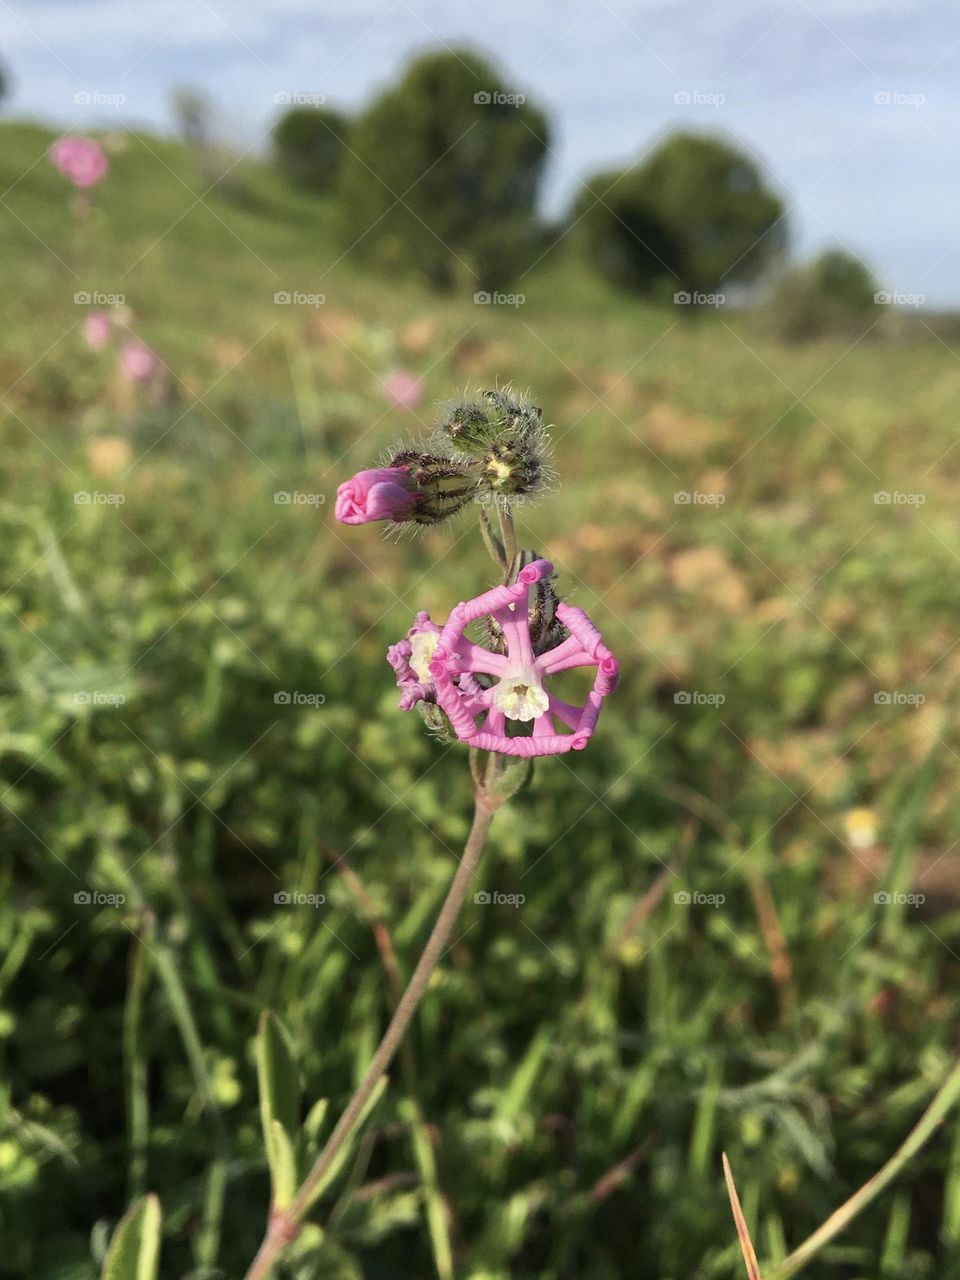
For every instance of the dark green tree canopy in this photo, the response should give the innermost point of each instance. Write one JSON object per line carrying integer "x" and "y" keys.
{"x": 834, "y": 293}
{"x": 308, "y": 143}
{"x": 696, "y": 215}
{"x": 443, "y": 175}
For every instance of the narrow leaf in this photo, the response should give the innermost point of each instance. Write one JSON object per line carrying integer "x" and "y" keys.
{"x": 134, "y": 1252}
{"x": 743, "y": 1234}
{"x": 279, "y": 1084}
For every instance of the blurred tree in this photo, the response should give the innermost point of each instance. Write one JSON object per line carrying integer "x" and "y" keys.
{"x": 832, "y": 293}
{"x": 194, "y": 115}
{"x": 693, "y": 216}
{"x": 308, "y": 143}
{"x": 443, "y": 175}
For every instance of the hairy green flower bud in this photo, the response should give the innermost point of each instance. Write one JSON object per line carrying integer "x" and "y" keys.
{"x": 505, "y": 435}
{"x": 443, "y": 485}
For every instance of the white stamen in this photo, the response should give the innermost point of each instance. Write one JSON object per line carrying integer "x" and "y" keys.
{"x": 520, "y": 697}
{"x": 422, "y": 647}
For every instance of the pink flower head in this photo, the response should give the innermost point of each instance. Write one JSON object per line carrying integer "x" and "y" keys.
{"x": 96, "y": 329}
{"x": 385, "y": 493}
{"x": 81, "y": 160}
{"x": 138, "y": 362}
{"x": 403, "y": 389}
{"x": 520, "y": 691}
{"x": 411, "y": 658}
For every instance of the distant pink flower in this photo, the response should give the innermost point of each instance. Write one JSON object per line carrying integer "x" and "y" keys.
{"x": 411, "y": 658}
{"x": 96, "y": 329}
{"x": 520, "y": 690}
{"x": 81, "y": 160}
{"x": 385, "y": 493}
{"x": 138, "y": 362}
{"x": 403, "y": 389}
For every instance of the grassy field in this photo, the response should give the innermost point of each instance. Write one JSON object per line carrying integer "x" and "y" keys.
{"x": 789, "y": 649}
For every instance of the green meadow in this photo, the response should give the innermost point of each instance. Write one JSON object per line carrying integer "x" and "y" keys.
{"x": 697, "y": 946}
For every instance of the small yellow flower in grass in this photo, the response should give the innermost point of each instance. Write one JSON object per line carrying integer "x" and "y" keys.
{"x": 860, "y": 826}
{"x": 521, "y": 697}
{"x": 422, "y": 648}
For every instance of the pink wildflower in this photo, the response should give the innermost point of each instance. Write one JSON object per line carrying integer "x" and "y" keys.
{"x": 403, "y": 389}
{"x": 411, "y": 658}
{"x": 385, "y": 493}
{"x": 520, "y": 691}
{"x": 81, "y": 160}
{"x": 138, "y": 362}
{"x": 96, "y": 329}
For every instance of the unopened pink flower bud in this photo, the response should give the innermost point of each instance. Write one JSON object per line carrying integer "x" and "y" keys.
{"x": 384, "y": 493}
{"x": 138, "y": 362}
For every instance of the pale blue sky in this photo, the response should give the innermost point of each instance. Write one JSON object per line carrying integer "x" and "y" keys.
{"x": 796, "y": 81}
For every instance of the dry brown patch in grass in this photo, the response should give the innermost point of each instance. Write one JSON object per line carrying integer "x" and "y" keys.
{"x": 707, "y": 573}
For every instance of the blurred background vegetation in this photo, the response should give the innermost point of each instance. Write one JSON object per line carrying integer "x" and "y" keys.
{"x": 757, "y": 505}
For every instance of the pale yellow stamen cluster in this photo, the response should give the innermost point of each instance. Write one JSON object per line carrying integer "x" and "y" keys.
{"x": 423, "y": 647}
{"x": 520, "y": 697}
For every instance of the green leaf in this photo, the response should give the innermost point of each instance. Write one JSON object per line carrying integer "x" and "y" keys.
{"x": 134, "y": 1252}
{"x": 279, "y": 1083}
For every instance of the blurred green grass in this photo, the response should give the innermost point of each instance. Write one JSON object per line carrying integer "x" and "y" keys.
{"x": 583, "y": 1058}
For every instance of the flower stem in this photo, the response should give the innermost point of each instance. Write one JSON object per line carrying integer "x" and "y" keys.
{"x": 944, "y": 1099}
{"x": 510, "y": 545}
{"x": 283, "y": 1226}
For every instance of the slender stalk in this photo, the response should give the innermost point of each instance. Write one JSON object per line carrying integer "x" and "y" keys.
{"x": 943, "y": 1100}
{"x": 284, "y": 1226}
{"x": 510, "y": 544}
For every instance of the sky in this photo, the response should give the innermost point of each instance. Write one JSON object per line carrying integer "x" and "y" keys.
{"x": 850, "y": 105}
